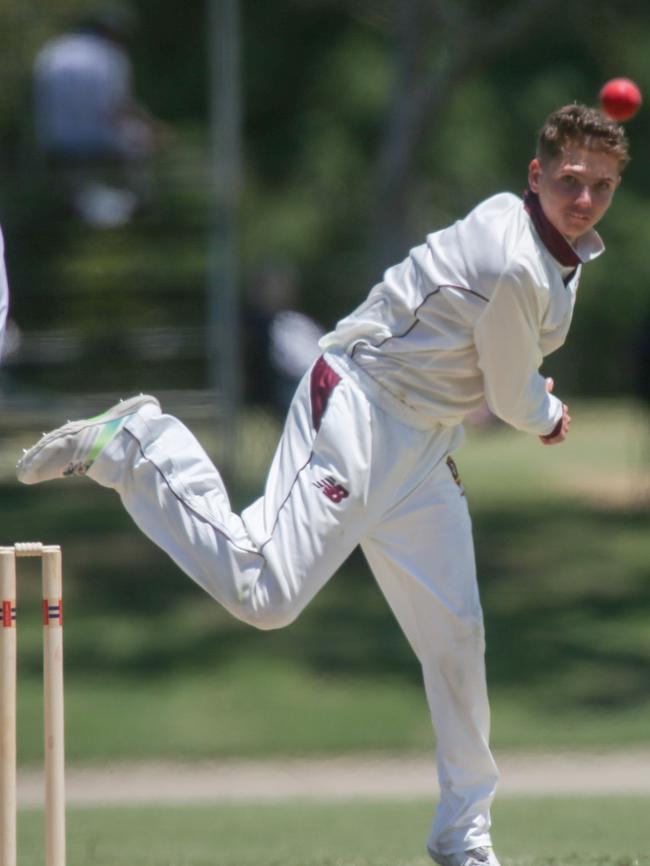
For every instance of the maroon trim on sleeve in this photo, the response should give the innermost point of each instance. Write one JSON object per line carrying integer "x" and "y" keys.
{"x": 557, "y": 245}
{"x": 323, "y": 381}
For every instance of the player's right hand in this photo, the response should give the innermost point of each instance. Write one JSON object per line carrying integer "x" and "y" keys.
{"x": 562, "y": 433}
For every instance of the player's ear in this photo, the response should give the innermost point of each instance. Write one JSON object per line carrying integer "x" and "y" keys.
{"x": 534, "y": 171}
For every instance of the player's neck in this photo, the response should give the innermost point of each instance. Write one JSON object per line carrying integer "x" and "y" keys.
{"x": 560, "y": 247}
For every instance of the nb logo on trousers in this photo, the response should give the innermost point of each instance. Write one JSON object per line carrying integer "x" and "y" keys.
{"x": 335, "y": 492}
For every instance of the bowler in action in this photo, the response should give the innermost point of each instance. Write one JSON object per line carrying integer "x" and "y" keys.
{"x": 365, "y": 457}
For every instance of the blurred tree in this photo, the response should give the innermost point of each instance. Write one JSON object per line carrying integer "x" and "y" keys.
{"x": 367, "y": 123}
{"x": 439, "y": 45}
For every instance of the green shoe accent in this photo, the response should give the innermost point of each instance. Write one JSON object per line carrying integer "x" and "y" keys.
{"x": 105, "y": 436}
{"x": 72, "y": 448}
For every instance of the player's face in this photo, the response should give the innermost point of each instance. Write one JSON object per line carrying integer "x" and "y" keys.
{"x": 575, "y": 189}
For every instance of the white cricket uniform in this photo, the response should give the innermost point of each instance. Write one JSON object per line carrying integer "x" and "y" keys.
{"x": 4, "y": 295}
{"x": 363, "y": 459}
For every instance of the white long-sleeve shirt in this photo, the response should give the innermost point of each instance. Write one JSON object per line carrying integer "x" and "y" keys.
{"x": 4, "y": 294}
{"x": 469, "y": 315}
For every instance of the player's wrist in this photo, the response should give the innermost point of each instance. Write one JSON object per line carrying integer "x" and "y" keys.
{"x": 554, "y": 432}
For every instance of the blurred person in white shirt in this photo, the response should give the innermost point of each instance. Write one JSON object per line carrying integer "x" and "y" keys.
{"x": 89, "y": 125}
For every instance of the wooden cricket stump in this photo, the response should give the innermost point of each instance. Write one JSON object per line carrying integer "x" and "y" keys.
{"x": 53, "y": 714}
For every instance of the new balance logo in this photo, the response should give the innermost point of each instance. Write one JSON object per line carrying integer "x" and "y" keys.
{"x": 78, "y": 468}
{"x": 335, "y": 492}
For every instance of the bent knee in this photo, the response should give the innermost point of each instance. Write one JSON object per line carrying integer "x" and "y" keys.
{"x": 272, "y": 613}
{"x": 268, "y": 619}
{"x": 267, "y": 601}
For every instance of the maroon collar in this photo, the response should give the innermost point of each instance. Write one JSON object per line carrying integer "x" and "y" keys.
{"x": 557, "y": 245}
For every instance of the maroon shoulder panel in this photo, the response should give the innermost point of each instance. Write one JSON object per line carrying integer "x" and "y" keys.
{"x": 323, "y": 381}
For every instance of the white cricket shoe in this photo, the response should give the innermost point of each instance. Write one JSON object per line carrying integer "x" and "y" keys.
{"x": 73, "y": 448}
{"x": 476, "y": 857}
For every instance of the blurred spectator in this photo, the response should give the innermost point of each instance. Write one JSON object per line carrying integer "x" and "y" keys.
{"x": 89, "y": 125}
{"x": 280, "y": 342}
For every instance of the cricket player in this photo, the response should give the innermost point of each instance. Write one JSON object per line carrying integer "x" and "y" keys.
{"x": 365, "y": 455}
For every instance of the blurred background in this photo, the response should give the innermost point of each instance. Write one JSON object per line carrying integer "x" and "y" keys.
{"x": 263, "y": 163}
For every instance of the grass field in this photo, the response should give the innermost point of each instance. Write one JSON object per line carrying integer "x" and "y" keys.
{"x": 527, "y": 832}
{"x": 156, "y": 669}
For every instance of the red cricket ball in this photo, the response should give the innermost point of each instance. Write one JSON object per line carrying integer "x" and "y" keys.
{"x": 620, "y": 98}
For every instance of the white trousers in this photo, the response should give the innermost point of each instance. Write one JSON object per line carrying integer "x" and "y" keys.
{"x": 346, "y": 472}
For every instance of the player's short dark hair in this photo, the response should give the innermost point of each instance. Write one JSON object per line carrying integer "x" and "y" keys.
{"x": 586, "y": 127}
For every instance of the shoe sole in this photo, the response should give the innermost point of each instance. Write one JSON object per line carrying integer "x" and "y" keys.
{"x": 442, "y": 859}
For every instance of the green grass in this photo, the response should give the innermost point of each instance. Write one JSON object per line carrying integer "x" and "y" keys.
{"x": 604, "y": 462}
{"x": 527, "y": 832}
{"x": 156, "y": 668}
